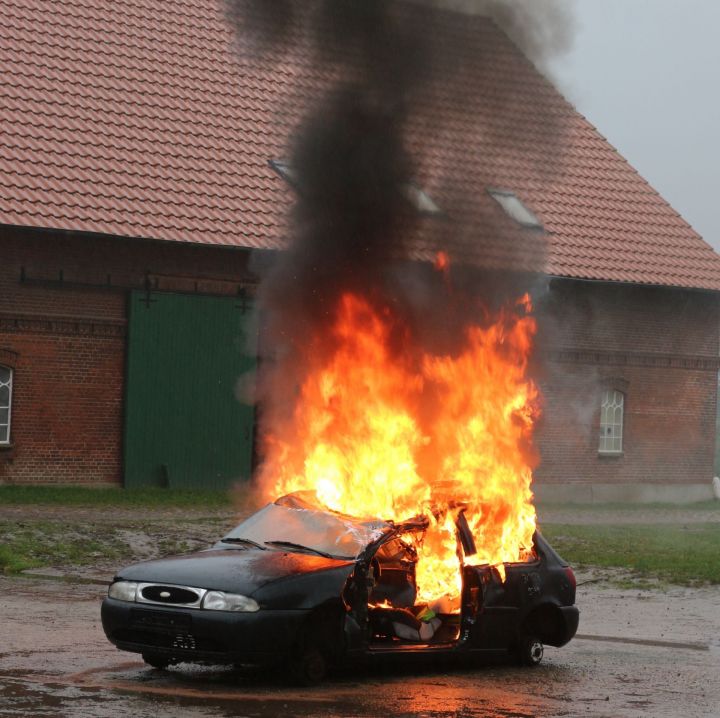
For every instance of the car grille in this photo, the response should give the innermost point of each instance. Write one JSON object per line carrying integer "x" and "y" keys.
{"x": 169, "y": 595}
{"x": 165, "y": 629}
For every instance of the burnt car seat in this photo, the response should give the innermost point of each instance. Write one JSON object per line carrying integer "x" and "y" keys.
{"x": 393, "y": 585}
{"x": 416, "y": 624}
{"x": 393, "y": 572}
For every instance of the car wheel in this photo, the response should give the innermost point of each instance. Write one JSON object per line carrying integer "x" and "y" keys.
{"x": 310, "y": 667}
{"x": 156, "y": 660}
{"x": 530, "y": 651}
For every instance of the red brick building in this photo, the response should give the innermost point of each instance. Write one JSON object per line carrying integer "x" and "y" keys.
{"x": 135, "y": 147}
{"x": 653, "y": 350}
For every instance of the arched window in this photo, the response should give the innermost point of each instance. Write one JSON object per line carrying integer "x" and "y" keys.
{"x": 612, "y": 407}
{"x": 6, "y": 377}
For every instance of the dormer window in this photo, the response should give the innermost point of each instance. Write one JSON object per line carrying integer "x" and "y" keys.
{"x": 515, "y": 208}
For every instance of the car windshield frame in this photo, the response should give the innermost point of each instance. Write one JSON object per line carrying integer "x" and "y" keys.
{"x": 312, "y": 529}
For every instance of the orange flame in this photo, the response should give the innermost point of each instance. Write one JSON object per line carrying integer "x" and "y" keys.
{"x": 442, "y": 261}
{"x": 382, "y": 433}
{"x": 442, "y": 265}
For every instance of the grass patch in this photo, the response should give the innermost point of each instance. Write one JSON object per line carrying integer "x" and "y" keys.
{"x": 12, "y": 562}
{"x": 114, "y": 497}
{"x": 35, "y": 544}
{"x": 681, "y": 554}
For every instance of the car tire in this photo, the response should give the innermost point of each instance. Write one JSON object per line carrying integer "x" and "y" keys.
{"x": 156, "y": 660}
{"x": 309, "y": 667}
{"x": 530, "y": 651}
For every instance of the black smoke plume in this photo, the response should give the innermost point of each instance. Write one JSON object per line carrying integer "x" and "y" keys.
{"x": 353, "y": 161}
{"x": 349, "y": 156}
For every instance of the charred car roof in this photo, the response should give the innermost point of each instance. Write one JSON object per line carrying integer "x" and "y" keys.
{"x": 298, "y": 520}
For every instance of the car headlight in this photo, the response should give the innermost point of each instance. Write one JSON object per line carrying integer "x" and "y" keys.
{"x": 123, "y": 590}
{"x": 221, "y": 601}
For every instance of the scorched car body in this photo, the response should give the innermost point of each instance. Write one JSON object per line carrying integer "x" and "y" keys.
{"x": 296, "y": 583}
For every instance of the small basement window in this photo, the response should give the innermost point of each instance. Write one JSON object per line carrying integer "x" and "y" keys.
{"x": 515, "y": 208}
{"x": 612, "y": 408}
{"x": 6, "y": 377}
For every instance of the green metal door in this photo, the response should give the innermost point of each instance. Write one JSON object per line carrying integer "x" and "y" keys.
{"x": 184, "y": 425}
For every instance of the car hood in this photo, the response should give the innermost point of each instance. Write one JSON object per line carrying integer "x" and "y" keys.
{"x": 241, "y": 571}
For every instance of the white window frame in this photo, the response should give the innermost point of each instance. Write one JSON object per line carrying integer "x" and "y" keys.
{"x": 612, "y": 422}
{"x": 6, "y": 440}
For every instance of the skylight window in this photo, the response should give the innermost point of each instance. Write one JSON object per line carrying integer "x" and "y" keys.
{"x": 420, "y": 199}
{"x": 285, "y": 170}
{"x": 515, "y": 208}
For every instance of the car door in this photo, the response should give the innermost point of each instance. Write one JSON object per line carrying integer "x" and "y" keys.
{"x": 489, "y": 613}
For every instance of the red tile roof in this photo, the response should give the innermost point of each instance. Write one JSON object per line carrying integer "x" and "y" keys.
{"x": 138, "y": 118}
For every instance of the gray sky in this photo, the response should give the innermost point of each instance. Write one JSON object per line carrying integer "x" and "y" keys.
{"x": 646, "y": 73}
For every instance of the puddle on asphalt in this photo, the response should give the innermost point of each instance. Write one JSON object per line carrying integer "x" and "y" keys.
{"x": 372, "y": 691}
{"x": 497, "y": 691}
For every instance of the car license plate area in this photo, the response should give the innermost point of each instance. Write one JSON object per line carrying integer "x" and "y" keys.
{"x": 185, "y": 642}
{"x": 161, "y": 620}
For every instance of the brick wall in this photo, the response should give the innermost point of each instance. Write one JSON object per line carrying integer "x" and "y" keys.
{"x": 68, "y": 348}
{"x": 67, "y": 408}
{"x": 658, "y": 346}
{"x": 67, "y": 344}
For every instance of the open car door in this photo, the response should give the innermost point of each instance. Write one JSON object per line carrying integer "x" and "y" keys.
{"x": 465, "y": 537}
{"x": 480, "y": 583}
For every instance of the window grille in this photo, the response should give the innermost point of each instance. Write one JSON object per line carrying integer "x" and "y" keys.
{"x": 6, "y": 377}
{"x": 611, "y": 422}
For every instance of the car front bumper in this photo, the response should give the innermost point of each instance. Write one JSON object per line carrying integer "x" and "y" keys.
{"x": 260, "y": 638}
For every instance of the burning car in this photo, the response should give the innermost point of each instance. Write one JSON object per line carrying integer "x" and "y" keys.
{"x": 300, "y": 584}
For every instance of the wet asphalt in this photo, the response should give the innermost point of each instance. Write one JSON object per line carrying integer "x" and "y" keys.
{"x": 640, "y": 655}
